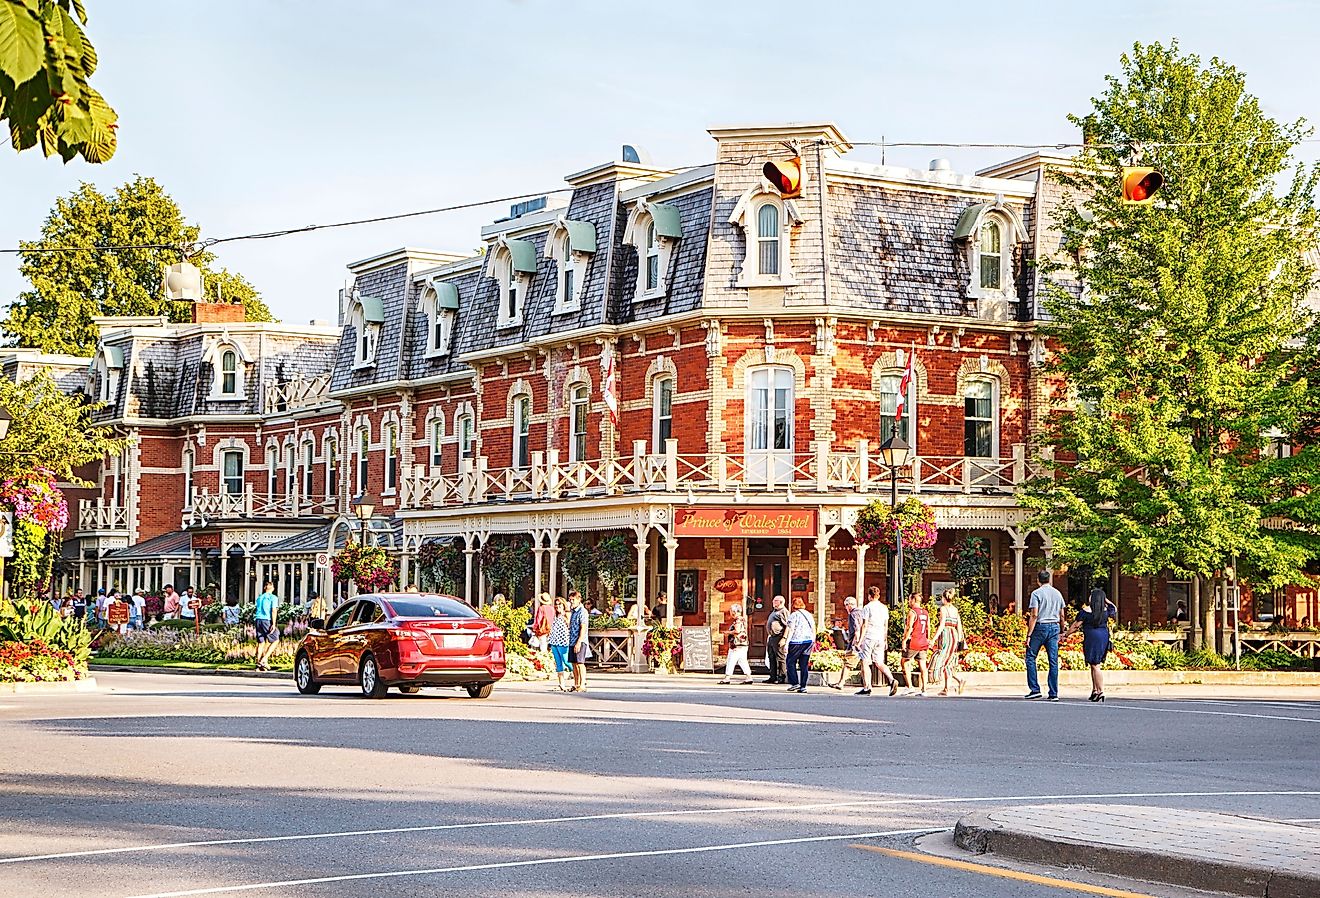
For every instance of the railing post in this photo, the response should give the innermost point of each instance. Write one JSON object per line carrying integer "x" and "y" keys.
{"x": 1019, "y": 464}
{"x": 639, "y": 464}
{"x": 481, "y": 479}
{"x": 248, "y": 497}
{"x": 671, "y": 465}
{"x": 721, "y": 472}
{"x": 554, "y": 474}
{"x": 916, "y": 474}
{"x": 966, "y": 474}
{"x": 822, "y": 466}
{"x": 538, "y": 477}
{"x": 863, "y": 465}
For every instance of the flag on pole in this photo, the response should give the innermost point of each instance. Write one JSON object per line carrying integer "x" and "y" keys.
{"x": 903, "y": 385}
{"x": 608, "y": 383}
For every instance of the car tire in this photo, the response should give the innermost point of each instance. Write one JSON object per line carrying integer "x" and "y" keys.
{"x": 480, "y": 690}
{"x": 410, "y": 690}
{"x": 302, "y": 675}
{"x": 369, "y": 678}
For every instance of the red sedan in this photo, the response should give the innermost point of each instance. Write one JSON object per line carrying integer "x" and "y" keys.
{"x": 408, "y": 640}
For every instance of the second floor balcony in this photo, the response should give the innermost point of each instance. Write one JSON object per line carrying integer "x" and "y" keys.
{"x": 100, "y": 516}
{"x": 249, "y": 503}
{"x": 824, "y": 471}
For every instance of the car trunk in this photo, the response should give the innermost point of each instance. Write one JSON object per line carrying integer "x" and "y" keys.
{"x": 449, "y": 636}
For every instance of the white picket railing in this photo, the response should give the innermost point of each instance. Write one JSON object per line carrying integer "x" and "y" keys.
{"x": 97, "y": 514}
{"x": 249, "y": 504}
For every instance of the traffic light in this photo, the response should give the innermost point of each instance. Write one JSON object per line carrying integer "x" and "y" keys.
{"x": 1140, "y": 185}
{"x": 786, "y": 175}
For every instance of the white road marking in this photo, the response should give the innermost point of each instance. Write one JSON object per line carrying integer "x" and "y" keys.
{"x": 565, "y": 859}
{"x": 1129, "y": 707}
{"x": 637, "y": 815}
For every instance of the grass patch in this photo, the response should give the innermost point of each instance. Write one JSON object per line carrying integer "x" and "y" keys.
{"x": 182, "y": 665}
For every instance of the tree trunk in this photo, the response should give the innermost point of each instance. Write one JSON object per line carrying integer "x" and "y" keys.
{"x": 1208, "y": 612}
{"x": 1194, "y": 616}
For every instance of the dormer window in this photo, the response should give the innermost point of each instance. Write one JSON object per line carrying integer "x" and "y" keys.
{"x": 440, "y": 303}
{"x": 229, "y": 361}
{"x": 653, "y": 229}
{"x": 570, "y": 244}
{"x": 108, "y": 366}
{"x": 512, "y": 266}
{"x": 989, "y": 232}
{"x": 766, "y": 220}
{"x": 366, "y": 315}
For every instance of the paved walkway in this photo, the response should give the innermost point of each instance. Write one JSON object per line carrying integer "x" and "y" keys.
{"x": 1195, "y": 849}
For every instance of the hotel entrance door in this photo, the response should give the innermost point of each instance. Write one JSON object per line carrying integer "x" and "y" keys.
{"x": 767, "y": 577}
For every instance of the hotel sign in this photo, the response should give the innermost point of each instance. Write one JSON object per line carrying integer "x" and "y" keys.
{"x": 745, "y": 522}
{"x": 205, "y": 541}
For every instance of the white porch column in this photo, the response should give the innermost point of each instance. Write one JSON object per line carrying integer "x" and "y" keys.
{"x": 1019, "y": 547}
{"x": 822, "y": 555}
{"x": 468, "y": 555}
{"x": 637, "y": 662}
{"x": 404, "y": 570}
{"x": 537, "y": 552}
{"x": 860, "y": 588}
{"x": 671, "y": 596}
{"x": 552, "y": 581}
{"x": 224, "y": 576}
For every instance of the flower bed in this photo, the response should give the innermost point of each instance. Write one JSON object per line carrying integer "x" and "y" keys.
{"x": 37, "y": 644}
{"x": 37, "y": 662}
{"x": 233, "y": 646}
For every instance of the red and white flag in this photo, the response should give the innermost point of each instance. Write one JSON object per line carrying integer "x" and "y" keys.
{"x": 903, "y": 386}
{"x": 609, "y": 383}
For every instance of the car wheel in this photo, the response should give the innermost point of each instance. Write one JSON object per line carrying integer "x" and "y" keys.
{"x": 369, "y": 679}
{"x": 302, "y": 675}
{"x": 410, "y": 690}
{"x": 480, "y": 690}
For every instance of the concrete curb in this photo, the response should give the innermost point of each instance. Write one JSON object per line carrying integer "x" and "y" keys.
{"x": 196, "y": 671}
{"x": 1156, "y": 678}
{"x": 52, "y": 688}
{"x": 980, "y": 834}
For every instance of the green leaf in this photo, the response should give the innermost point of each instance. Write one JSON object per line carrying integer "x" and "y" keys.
{"x": 22, "y": 48}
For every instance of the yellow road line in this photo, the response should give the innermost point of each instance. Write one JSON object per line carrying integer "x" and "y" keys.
{"x": 1003, "y": 873}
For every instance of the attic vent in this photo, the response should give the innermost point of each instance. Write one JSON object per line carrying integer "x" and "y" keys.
{"x": 517, "y": 210}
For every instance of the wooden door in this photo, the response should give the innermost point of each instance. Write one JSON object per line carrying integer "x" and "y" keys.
{"x": 767, "y": 577}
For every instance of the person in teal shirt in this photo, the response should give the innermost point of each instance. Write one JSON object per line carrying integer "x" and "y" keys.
{"x": 268, "y": 632}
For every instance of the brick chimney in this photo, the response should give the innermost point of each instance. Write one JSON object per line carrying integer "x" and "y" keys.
{"x": 217, "y": 312}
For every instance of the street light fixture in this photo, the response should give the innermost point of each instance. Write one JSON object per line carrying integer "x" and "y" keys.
{"x": 894, "y": 454}
{"x": 363, "y": 508}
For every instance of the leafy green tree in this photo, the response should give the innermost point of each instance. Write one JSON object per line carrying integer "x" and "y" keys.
{"x": 45, "y": 63}
{"x": 1179, "y": 337}
{"x": 51, "y": 429}
{"x": 74, "y": 281}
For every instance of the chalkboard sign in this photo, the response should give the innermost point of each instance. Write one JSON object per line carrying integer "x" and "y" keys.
{"x": 697, "y": 652}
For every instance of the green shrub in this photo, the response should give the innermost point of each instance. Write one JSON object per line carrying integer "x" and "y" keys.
{"x": 1141, "y": 662}
{"x": 1272, "y": 659}
{"x": 827, "y": 659}
{"x": 1010, "y": 661}
{"x": 1206, "y": 659}
{"x": 894, "y": 660}
{"x": 978, "y": 661}
{"x": 1164, "y": 656}
{"x": 1070, "y": 659}
{"x": 39, "y": 621}
{"x": 513, "y": 621}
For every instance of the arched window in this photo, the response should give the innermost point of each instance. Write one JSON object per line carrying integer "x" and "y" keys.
{"x": 437, "y": 434}
{"x": 889, "y": 386}
{"x": 391, "y": 457}
{"x": 522, "y": 427}
{"x": 578, "y": 407}
{"x": 767, "y": 239}
{"x": 363, "y": 460}
{"x": 769, "y": 424}
{"x": 331, "y": 468}
{"x": 309, "y": 460}
{"x": 229, "y": 372}
{"x": 662, "y": 412}
{"x": 272, "y": 468}
{"x": 652, "y": 258}
{"x": 981, "y": 419}
{"x": 231, "y": 471}
{"x": 992, "y": 255}
{"x": 188, "y": 464}
{"x": 466, "y": 439}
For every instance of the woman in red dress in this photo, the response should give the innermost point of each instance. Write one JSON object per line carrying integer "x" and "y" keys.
{"x": 916, "y": 640}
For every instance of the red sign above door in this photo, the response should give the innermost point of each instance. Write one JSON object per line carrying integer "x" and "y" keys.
{"x": 205, "y": 541}
{"x": 745, "y": 522}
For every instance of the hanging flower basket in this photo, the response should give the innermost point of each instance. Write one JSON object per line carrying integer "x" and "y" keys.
{"x": 369, "y": 567}
{"x": 877, "y": 525}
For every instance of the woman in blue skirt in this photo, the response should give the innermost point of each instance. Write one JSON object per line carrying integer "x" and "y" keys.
{"x": 1094, "y": 624}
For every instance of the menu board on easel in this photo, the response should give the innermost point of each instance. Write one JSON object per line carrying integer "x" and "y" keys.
{"x": 698, "y": 653}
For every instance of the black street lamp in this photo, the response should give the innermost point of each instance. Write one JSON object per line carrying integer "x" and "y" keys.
{"x": 363, "y": 508}
{"x": 894, "y": 454}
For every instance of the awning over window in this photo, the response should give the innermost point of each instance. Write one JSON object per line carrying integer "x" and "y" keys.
{"x": 523, "y": 254}
{"x": 969, "y": 219}
{"x": 114, "y": 356}
{"x": 581, "y": 236}
{"x": 446, "y": 297}
{"x": 373, "y": 311}
{"x": 668, "y": 220}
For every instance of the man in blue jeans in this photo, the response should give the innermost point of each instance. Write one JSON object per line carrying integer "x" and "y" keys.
{"x": 1044, "y": 616}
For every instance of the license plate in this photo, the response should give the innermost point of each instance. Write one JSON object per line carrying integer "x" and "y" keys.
{"x": 458, "y": 641}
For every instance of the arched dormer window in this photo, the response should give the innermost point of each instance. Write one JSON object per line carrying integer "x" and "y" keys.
{"x": 440, "y": 305}
{"x": 767, "y": 221}
{"x": 653, "y": 229}
{"x": 570, "y": 244}
{"x": 106, "y": 370}
{"x": 512, "y": 265}
{"x": 366, "y": 316}
{"x": 990, "y": 233}
{"x": 228, "y": 360}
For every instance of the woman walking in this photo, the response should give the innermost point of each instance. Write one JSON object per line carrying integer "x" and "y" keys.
{"x": 541, "y": 623}
{"x": 1094, "y": 624}
{"x": 558, "y": 641}
{"x": 948, "y": 638}
{"x": 736, "y": 643}
{"x": 916, "y": 641}
{"x": 801, "y": 635}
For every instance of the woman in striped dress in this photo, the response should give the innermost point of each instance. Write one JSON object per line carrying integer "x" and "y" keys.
{"x": 948, "y": 638}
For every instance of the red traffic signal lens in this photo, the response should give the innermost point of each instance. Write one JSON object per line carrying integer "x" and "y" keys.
{"x": 785, "y": 175}
{"x": 1140, "y": 184}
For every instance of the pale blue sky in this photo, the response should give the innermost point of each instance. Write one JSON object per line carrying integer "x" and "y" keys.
{"x": 258, "y": 115}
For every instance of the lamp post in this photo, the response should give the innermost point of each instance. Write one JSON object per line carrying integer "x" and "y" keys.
{"x": 894, "y": 454}
{"x": 363, "y": 508}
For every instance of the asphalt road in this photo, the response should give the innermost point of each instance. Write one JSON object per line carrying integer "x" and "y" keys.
{"x": 172, "y": 785}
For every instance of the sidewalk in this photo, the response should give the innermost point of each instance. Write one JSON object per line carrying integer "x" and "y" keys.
{"x": 1193, "y": 849}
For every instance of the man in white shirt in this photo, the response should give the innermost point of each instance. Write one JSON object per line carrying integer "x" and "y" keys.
{"x": 184, "y": 601}
{"x": 872, "y": 641}
{"x": 100, "y": 606}
{"x": 1044, "y": 619}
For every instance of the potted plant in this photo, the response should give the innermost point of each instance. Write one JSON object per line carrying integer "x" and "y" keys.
{"x": 663, "y": 647}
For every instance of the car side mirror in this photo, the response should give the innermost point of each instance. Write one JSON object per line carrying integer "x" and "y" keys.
{"x": 316, "y": 623}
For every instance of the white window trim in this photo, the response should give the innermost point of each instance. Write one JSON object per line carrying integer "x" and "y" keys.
{"x": 748, "y": 424}
{"x": 997, "y": 303}
{"x": 639, "y": 224}
{"x": 430, "y": 305}
{"x": 309, "y": 467}
{"x": 996, "y": 414}
{"x": 501, "y": 271}
{"x": 189, "y": 464}
{"x": 361, "y": 471}
{"x": 221, "y": 453}
{"x": 366, "y": 335}
{"x": 516, "y": 416}
{"x": 572, "y": 421}
{"x": 909, "y": 408}
{"x": 435, "y": 438}
{"x": 332, "y": 460}
{"x": 389, "y": 440}
{"x": 745, "y": 217}
{"x": 214, "y": 356}
{"x": 272, "y": 456}
{"x": 466, "y": 420}
{"x": 656, "y": 443}
{"x": 565, "y": 259}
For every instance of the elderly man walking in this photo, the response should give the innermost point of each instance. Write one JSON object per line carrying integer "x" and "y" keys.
{"x": 776, "y": 651}
{"x": 1044, "y": 617}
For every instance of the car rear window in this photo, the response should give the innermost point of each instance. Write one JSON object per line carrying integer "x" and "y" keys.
{"x": 436, "y": 607}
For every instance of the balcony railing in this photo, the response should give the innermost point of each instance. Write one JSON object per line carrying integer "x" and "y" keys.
{"x": 97, "y": 514}
{"x": 252, "y": 504}
{"x": 297, "y": 393}
{"x": 823, "y": 471}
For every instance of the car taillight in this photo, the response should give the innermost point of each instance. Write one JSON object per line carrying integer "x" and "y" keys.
{"x": 421, "y": 635}
{"x": 492, "y": 633}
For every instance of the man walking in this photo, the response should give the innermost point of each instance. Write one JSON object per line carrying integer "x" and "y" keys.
{"x": 1044, "y": 615}
{"x": 579, "y": 623}
{"x": 872, "y": 641}
{"x": 266, "y": 619}
{"x": 776, "y": 652}
{"x": 79, "y": 605}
